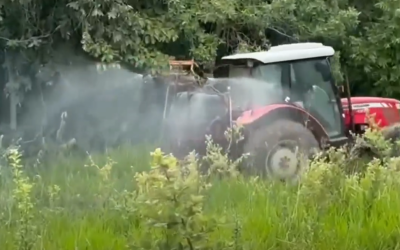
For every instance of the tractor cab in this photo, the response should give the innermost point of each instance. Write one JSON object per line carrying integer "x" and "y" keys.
{"x": 298, "y": 74}
{"x": 285, "y": 98}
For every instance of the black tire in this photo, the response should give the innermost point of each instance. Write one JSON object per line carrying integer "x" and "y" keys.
{"x": 262, "y": 144}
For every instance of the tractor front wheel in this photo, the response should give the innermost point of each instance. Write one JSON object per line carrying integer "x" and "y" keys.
{"x": 280, "y": 150}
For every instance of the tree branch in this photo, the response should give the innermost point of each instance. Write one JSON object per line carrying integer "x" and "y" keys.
{"x": 25, "y": 40}
{"x": 283, "y": 34}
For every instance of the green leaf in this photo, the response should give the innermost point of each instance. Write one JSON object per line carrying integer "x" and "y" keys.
{"x": 73, "y": 5}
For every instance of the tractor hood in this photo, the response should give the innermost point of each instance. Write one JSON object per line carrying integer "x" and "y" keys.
{"x": 365, "y": 102}
{"x": 385, "y": 110}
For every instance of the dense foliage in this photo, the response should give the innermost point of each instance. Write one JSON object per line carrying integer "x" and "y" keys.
{"x": 144, "y": 34}
{"x": 99, "y": 204}
{"x": 60, "y": 204}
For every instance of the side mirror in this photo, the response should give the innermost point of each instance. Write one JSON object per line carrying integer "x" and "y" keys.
{"x": 340, "y": 89}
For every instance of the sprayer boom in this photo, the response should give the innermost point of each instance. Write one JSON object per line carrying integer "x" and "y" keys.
{"x": 187, "y": 65}
{"x": 182, "y": 72}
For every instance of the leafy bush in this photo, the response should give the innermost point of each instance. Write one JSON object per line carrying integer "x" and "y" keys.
{"x": 127, "y": 203}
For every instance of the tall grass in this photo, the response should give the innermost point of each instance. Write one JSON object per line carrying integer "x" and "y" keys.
{"x": 101, "y": 203}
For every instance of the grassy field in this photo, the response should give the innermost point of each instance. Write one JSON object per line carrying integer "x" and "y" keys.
{"x": 78, "y": 204}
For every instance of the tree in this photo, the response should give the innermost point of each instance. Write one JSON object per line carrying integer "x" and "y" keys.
{"x": 375, "y": 48}
{"x": 137, "y": 32}
{"x": 144, "y": 34}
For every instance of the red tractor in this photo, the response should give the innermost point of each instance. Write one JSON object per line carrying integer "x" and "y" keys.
{"x": 285, "y": 99}
{"x": 386, "y": 112}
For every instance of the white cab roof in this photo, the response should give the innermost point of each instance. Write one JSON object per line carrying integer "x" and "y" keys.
{"x": 287, "y": 52}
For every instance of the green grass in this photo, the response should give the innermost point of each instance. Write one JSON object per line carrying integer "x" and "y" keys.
{"x": 88, "y": 212}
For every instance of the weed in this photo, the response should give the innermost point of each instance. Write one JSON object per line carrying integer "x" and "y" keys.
{"x": 129, "y": 199}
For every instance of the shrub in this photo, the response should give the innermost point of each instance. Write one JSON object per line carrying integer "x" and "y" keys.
{"x": 170, "y": 201}
{"x": 117, "y": 203}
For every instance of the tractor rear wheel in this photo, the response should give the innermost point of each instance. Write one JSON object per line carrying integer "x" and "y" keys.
{"x": 280, "y": 150}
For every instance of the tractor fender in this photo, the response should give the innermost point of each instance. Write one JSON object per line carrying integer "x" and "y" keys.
{"x": 262, "y": 116}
